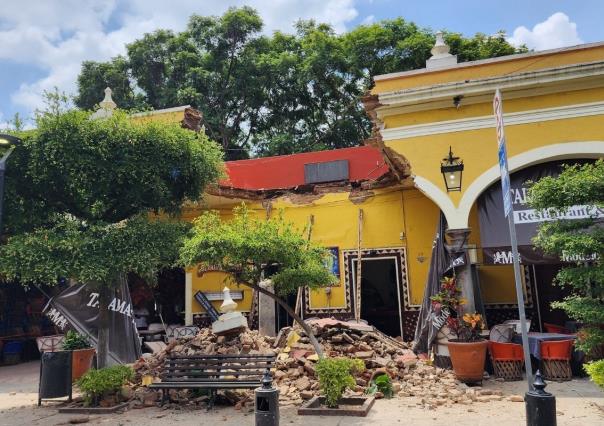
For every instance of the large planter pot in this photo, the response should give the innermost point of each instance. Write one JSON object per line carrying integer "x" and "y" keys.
{"x": 468, "y": 359}
{"x": 81, "y": 362}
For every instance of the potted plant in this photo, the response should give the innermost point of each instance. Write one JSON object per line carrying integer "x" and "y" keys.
{"x": 468, "y": 350}
{"x": 104, "y": 387}
{"x": 81, "y": 353}
{"x": 335, "y": 375}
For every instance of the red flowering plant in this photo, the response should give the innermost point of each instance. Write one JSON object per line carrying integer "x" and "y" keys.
{"x": 448, "y": 297}
{"x": 448, "y": 303}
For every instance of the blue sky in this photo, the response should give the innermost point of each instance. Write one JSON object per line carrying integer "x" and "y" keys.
{"x": 43, "y": 42}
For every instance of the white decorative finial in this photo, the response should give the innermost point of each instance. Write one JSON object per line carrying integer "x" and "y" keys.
{"x": 106, "y": 106}
{"x": 107, "y": 102}
{"x": 228, "y": 304}
{"x": 440, "y": 54}
{"x": 440, "y": 49}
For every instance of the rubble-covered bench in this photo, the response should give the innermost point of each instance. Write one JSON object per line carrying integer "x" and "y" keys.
{"x": 213, "y": 372}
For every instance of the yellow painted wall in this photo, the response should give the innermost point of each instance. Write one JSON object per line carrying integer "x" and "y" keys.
{"x": 166, "y": 117}
{"x": 336, "y": 225}
{"x": 478, "y": 148}
{"x": 386, "y": 215}
{"x": 214, "y": 281}
{"x": 496, "y": 68}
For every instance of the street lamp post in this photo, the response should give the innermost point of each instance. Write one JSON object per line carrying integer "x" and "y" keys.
{"x": 9, "y": 143}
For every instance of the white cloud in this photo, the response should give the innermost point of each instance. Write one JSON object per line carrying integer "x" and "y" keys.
{"x": 57, "y": 35}
{"x": 556, "y": 31}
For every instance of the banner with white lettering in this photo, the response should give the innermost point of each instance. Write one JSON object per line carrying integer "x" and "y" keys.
{"x": 77, "y": 307}
{"x": 429, "y": 322}
{"x": 494, "y": 235}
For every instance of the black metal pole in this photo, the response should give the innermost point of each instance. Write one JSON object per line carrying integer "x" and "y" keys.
{"x": 540, "y": 405}
{"x": 2, "y": 169}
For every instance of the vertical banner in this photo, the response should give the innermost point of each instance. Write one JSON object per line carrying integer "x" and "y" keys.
{"x": 429, "y": 323}
{"x": 77, "y": 307}
{"x": 507, "y": 208}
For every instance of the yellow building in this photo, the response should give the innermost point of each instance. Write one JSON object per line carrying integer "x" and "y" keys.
{"x": 382, "y": 201}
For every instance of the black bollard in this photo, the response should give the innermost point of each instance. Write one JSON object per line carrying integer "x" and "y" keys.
{"x": 267, "y": 402}
{"x": 540, "y": 405}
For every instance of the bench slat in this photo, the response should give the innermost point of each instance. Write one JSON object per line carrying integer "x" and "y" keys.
{"x": 220, "y": 361}
{"x": 212, "y": 374}
{"x": 206, "y": 385}
{"x": 263, "y": 366}
{"x": 215, "y": 371}
{"x": 246, "y": 356}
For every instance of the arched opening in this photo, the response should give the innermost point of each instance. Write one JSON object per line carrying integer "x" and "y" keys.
{"x": 495, "y": 270}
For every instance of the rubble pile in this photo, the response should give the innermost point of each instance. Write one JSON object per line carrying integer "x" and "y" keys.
{"x": 295, "y": 366}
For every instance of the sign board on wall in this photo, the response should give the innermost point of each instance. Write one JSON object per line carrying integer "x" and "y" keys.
{"x": 495, "y": 239}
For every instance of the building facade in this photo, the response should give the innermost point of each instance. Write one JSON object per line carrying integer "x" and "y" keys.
{"x": 380, "y": 203}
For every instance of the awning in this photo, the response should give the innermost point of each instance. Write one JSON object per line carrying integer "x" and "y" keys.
{"x": 494, "y": 233}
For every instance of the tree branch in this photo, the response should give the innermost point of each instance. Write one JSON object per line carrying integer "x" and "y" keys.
{"x": 290, "y": 311}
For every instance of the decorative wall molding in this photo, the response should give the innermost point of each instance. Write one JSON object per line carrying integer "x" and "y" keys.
{"x": 508, "y": 58}
{"x": 458, "y": 217}
{"x": 398, "y": 253}
{"x": 484, "y": 122}
{"x": 481, "y": 90}
{"x": 544, "y": 154}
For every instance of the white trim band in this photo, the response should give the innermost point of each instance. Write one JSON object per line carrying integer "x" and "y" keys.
{"x": 488, "y": 121}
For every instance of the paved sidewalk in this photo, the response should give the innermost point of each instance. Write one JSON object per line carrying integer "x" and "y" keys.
{"x": 579, "y": 403}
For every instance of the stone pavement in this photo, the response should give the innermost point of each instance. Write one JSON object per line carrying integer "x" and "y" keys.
{"x": 579, "y": 403}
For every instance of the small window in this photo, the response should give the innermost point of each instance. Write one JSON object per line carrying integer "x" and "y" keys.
{"x": 330, "y": 171}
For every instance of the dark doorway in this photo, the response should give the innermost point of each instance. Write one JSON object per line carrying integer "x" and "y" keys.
{"x": 380, "y": 294}
{"x": 548, "y": 292}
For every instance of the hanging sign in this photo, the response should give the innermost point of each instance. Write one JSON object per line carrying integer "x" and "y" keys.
{"x": 207, "y": 305}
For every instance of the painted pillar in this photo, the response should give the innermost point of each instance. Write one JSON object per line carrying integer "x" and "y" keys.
{"x": 457, "y": 239}
{"x": 189, "y": 298}
{"x": 266, "y": 310}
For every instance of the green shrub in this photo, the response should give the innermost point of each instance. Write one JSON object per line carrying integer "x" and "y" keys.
{"x": 74, "y": 341}
{"x": 335, "y": 375}
{"x": 97, "y": 384}
{"x": 381, "y": 383}
{"x": 595, "y": 369}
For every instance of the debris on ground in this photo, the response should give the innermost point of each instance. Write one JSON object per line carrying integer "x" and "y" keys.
{"x": 295, "y": 375}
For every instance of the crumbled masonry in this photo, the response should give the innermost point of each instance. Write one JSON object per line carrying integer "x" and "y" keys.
{"x": 295, "y": 367}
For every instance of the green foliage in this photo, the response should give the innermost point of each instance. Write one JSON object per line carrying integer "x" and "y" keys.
{"x": 595, "y": 369}
{"x": 335, "y": 375}
{"x": 74, "y": 341}
{"x": 96, "y": 384}
{"x": 277, "y": 94}
{"x": 96, "y": 76}
{"x": 381, "y": 383}
{"x": 247, "y": 246}
{"x": 81, "y": 194}
{"x": 576, "y": 239}
{"x": 92, "y": 252}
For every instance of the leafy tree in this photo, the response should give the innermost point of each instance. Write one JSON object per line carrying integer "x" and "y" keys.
{"x": 83, "y": 193}
{"x": 96, "y": 76}
{"x": 247, "y": 248}
{"x": 278, "y": 94}
{"x": 579, "y": 239}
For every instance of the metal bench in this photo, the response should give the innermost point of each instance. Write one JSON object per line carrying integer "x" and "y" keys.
{"x": 213, "y": 372}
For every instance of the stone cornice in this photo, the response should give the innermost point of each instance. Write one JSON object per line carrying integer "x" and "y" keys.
{"x": 551, "y": 80}
{"x": 483, "y": 122}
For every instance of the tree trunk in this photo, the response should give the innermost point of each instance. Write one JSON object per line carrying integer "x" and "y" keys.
{"x": 102, "y": 350}
{"x": 290, "y": 311}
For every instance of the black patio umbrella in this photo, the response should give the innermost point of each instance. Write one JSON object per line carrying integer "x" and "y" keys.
{"x": 425, "y": 331}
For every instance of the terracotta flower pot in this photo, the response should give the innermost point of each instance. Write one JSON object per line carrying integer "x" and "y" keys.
{"x": 468, "y": 359}
{"x": 81, "y": 362}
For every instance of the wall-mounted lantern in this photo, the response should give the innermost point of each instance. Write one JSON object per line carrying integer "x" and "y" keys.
{"x": 452, "y": 169}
